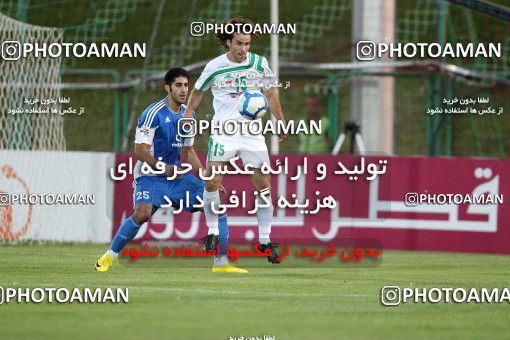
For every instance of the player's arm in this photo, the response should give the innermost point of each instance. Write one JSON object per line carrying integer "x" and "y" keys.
{"x": 193, "y": 102}
{"x": 189, "y": 155}
{"x": 273, "y": 102}
{"x": 142, "y": 153}
{"x": 144, "y": 135}
{"x": 203, "y": 83}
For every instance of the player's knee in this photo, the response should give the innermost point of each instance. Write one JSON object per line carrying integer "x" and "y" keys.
{"x": 265, "y": 194}
{"x": 142, "y": 214}
{"x": 213, "y": 184}
{"x": 261, "y": 182}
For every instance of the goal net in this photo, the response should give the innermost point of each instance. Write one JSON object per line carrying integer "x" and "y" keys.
{"x": 26, "y": 85}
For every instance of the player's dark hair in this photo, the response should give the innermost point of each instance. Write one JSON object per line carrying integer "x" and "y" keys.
{"x": 173, "y": 73}
{"x": 238, "y": 23}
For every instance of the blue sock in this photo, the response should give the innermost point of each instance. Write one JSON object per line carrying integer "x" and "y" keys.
{"x": 223, "y": 227}
{"x": 127, "y": 231}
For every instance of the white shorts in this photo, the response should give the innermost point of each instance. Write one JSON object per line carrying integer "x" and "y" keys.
{"x": 251, "y": 149}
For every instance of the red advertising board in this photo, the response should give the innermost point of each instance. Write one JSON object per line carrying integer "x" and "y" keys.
{"x": 369, "y": 203}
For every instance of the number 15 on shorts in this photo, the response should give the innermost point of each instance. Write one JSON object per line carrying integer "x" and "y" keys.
{"x": 218, "y": 149}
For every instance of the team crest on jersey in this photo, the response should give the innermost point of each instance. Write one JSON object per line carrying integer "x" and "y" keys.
{"x": 144, "y": 130}
{"x": 235, "y": 81}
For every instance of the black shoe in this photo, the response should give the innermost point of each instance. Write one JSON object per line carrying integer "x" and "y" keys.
{"x": 275, "y": 251}
{"x": 210, "y": 241}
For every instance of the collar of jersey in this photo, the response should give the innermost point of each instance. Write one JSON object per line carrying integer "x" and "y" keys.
{"x": 170, "y": 109}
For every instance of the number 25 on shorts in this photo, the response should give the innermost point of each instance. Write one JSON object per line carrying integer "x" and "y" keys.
{"x": 142, "y": 194}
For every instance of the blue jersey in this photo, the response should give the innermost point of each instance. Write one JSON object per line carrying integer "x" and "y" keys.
{"x": 158, "y": 126}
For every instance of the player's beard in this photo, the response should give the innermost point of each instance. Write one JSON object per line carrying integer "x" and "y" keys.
{"x": 178, "y": 99}
{"x": 238, "y": 57}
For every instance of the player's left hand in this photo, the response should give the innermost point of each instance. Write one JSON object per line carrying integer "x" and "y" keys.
{"x": 170, "y": 171}
{"x": 222, "y": 191}
{"x": 282, "y": 135}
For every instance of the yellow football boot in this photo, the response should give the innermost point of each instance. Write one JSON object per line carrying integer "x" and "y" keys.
{"x": 104, "y": 263}
{"x": 228, "y": 268}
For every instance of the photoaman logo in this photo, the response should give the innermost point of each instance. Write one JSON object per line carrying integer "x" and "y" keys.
{"x": 15, "y": 50}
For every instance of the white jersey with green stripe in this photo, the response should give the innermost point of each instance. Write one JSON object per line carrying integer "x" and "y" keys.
{"x": 227, "y": 80}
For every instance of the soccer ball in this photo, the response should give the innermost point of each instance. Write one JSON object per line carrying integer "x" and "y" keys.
{"x": 252, "y": 104}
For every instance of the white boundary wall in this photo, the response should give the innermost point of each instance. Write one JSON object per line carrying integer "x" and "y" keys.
{"x": 56, "y": 172}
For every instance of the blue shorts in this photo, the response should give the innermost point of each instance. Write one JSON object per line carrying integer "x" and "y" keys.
{"x": 151, "y": 189}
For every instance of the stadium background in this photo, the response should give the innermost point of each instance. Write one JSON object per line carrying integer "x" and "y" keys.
{"x": 324, "y": 35}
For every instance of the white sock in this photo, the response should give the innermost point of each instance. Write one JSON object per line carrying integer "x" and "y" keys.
{"x": 265, "y": 217}
{"x": 211, "y": 197}
{"x": 112, "y": 253}
{"x": 220, "y": 261}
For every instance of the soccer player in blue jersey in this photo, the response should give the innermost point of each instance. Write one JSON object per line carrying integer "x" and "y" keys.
{"x": 156, "y": 138}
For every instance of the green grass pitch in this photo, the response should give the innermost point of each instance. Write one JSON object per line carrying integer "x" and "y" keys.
{"x": 290, "y": 303}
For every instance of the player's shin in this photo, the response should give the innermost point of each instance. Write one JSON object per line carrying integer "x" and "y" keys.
{"x": 264, "y": 217}
{"x": 223, "y": 227}
{"x": 211, "y": 198}
{"x": 127, "y": 231}
{"x": 222, "y": 259}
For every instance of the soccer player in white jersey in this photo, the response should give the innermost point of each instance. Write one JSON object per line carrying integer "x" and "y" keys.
{"x": 228, "y": 76}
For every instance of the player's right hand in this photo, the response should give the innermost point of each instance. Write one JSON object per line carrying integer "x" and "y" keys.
{"x": 170, "y": 171}
{"x": 282, "y": 135}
